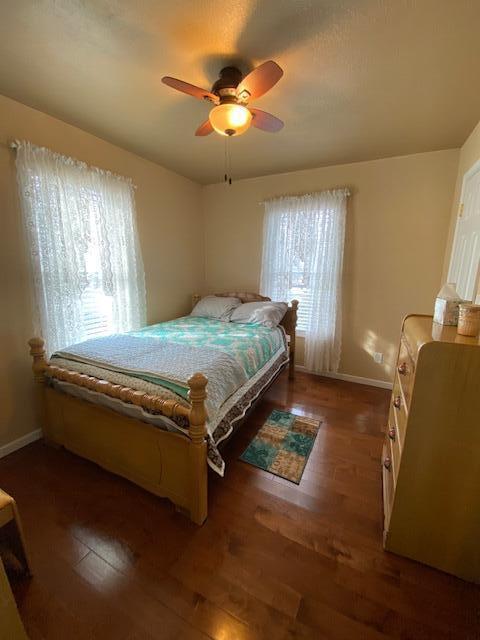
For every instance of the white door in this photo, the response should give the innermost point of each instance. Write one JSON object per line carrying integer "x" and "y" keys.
{"x": 465, "y": 259}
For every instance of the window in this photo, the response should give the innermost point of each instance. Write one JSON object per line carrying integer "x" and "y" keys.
{"x": 302, "y": 259}
{"x": 97, "y": 307}
{"x": 299, "y": 284}
{"x": 86, "y": 262}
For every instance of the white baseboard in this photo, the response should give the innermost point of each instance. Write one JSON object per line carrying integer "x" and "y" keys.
{"x": 20, "y": 442}
{"x": 372, "y": 382}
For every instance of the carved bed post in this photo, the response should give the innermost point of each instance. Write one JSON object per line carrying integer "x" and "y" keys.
{"x": 39, "y": 366}
{"x": 198, "y": 448}
{"x": 291, "y": 370}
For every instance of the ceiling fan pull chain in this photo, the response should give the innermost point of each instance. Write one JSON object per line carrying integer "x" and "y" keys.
{"x": 229, "y": 163}
{"x": 225, "y": 160}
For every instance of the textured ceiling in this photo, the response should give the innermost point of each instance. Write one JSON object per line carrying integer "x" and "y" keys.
{"x": 363, "y": 78}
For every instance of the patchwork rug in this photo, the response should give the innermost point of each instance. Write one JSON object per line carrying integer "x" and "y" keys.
{"x": 283, "y": 445}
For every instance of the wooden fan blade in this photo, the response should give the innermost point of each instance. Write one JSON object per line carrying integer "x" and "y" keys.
{"x": 265, "y": 121}
{"x": 204, "y": 129}
{"x": 191, "y": 89}
{"x": 259, "y": 81}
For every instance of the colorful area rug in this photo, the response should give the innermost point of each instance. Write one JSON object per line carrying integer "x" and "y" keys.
{"x": 283, "y": 445}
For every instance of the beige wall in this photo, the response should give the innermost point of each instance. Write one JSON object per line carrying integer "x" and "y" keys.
{"x": 170, "y": 228}
{"x": 397, "y": 228}
{"x": 469, "y": 154}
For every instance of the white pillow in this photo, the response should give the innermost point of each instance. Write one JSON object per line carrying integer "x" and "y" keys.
{"x": 215, "y": 307}
{"x": 267, "y": 313}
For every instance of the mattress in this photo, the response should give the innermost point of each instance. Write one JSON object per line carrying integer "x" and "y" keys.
{"x": 239, "y": 360}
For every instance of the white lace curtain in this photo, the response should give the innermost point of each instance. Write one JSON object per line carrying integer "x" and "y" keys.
{"x": 302, "y": 258}
{"x": 82, "y": 238}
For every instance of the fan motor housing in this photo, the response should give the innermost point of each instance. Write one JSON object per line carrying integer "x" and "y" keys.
{"x": 228, "y": 81}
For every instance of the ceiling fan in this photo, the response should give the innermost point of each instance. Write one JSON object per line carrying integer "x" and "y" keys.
{"x": 230, "y": 96}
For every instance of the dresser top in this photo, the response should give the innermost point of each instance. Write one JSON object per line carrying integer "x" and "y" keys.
{"x": 421, "y": 330}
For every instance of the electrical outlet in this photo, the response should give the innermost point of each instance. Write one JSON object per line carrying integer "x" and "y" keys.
{"x": 378, "y": 357}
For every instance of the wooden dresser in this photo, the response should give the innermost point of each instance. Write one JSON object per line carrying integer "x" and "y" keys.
{"x": 431, "y": 455}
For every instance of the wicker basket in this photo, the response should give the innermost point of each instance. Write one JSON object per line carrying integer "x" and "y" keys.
{"x": 469, "y": 320}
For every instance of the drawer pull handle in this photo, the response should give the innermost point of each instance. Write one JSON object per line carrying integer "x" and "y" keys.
{"x": 403, "y": 369}
{"x": 391, "y": 433}
{"x": 387, "y": 463}
{"x": 397, "y": 403}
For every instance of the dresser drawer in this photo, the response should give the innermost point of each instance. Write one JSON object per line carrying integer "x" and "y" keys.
{"x": 397, "y": 408}
{"x": 392, "y": 457}
{"x": 393, "y": 440}
{"x": 388, "y": 485}
{"x": 393, "y": 430}
{"x": 405, "y": 370}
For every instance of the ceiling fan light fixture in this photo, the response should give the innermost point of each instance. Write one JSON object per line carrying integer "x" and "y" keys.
{"x": 230, "y": 119}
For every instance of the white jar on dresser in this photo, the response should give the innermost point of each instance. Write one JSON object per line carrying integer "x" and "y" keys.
{"x": 431, "y": 455}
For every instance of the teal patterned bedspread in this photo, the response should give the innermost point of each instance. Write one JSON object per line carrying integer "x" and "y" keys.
{"x": 252, "y": 345}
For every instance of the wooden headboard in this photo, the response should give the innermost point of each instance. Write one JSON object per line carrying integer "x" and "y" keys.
{"x": 289, "y": 322}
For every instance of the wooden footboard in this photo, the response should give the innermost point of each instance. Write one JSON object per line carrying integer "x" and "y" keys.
{"x": 168, "y": 464}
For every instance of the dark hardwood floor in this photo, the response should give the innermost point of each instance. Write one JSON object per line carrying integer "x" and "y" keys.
{"x": 274, "y": 560}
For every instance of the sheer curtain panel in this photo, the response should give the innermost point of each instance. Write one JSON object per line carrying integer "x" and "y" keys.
{"x": 303, "y": 244}
{"x": 85, "y": 256}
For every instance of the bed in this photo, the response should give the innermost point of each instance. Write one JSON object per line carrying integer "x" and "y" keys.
{"x": 153, "y": 421}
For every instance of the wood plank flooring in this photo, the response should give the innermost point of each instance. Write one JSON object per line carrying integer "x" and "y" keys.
{"x": 274, "y": 560}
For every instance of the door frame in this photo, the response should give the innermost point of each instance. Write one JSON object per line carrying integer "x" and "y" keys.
{"x": 470, "y": 172}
